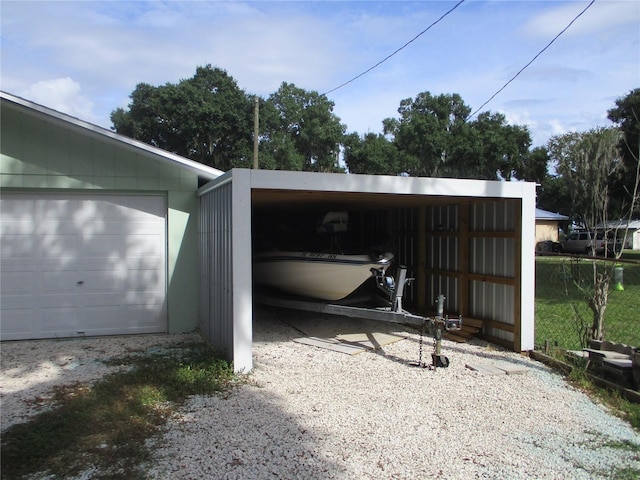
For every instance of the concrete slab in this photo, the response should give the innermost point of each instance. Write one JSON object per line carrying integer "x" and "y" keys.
{"x": 485, "y": 369}
{"x": 496, "y": 369}
{"x": 511, "y": 369}
{"x": 331, "y": 344}
{"x": 343, "y": 334}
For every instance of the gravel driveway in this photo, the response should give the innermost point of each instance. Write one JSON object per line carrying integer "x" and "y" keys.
{"x": 314, "y": 413}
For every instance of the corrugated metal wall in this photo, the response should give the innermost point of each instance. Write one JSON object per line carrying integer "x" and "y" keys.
{"x": 216, "y": 274}
{"x": 493, "y": 256}
{"x": 403, "y": 241}
{"x": 493, "y": 216}
{"x": 443, "y": 255}
{"x": 489, "y": 253}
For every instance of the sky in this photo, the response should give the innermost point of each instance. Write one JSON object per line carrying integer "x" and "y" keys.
{"x": 85, "y": 58}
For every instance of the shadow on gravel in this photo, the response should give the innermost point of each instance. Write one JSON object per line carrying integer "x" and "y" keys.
{"x": 282, "y": 327}
{"x": 246, "y": 434}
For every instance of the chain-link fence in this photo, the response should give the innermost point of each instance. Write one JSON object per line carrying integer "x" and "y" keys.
{"x": 563, "y": 286}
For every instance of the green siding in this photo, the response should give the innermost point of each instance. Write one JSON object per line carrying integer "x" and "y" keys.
{"x": 182, "y": 238}
{"x": 37, "y": 154}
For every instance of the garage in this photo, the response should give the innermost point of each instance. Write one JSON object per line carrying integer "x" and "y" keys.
{"x": 469, "y": 240}
{"x": 77, "y": 264}
{"x": 98, "y": 232}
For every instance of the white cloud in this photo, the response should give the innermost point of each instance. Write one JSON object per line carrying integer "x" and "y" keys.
{"x": 62, "y": 94}
{"x": 556, "y": 127}
{"x": 602, "y": 16}
{"x": 109, "y": 47}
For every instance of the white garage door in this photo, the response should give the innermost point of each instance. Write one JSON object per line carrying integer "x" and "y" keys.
{"x": 75, "y": 265}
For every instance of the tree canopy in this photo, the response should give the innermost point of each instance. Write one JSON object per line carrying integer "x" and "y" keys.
{"x": 626, "y": 115}
{"x": 597, "y": 162}
{"x": 588, "y": 161}
{"x": 207, "y": 118}
{"x": 373, "y": 154}
{"x": 433, "y": 137}
{"x": 301, "y": 132}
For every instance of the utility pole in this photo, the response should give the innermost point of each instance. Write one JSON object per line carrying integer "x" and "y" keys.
{"x": 256, "y": 124}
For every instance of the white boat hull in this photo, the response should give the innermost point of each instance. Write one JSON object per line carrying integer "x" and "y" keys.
{"x": 316, "y": 275}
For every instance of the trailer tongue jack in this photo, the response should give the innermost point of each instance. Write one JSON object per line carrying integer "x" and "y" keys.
{"x": 438, "y": 324}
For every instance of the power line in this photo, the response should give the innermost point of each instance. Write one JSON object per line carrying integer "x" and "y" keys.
{"x": 532, "y": 60}
{"x": 398, "y": 50}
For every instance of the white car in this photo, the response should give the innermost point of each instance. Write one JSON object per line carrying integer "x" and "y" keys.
{"x": 584, "y": 243}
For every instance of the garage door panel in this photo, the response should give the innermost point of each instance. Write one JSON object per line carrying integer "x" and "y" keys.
{"x": 112, "y": 266}
{"x": 145, "y": 207}
{"x": 59, "y": 282}
{"x": 74, "y": 264}
{"x": 16, "y": 245}
{"x": 101, "y": 281}
{"x": 91, "y": 300}
{"x": 140, "y": 246}
{"x": 58, "y": 300}
{"x": 17, "y": 282}
{"x": 102, "y": 245}
{"x": 143, "y": 298}
{"x": 131, "y": 321}
{"x": 59, "y": 321}
{"x": 14, "y": 302}
{"x": 101, "y": 318}
{"x": 143, "y": 280}
{"x": 141, "y": 315}
{"x": 56, "y": 245}
{"x": 18, "y": 323}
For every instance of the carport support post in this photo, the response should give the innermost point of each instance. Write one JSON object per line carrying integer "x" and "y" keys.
{"x": 241, "y": 268}
{"x": 421, "y": 274}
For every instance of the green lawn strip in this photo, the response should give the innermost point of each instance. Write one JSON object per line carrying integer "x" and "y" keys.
{"x": 556, "y": 298}
{"x": 106, "y": 425}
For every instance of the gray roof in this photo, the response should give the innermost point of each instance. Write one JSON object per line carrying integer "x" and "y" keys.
{"x": 545, "y": 215}
{"x": 106, "y": 135}
{"x": 632, "y": 224}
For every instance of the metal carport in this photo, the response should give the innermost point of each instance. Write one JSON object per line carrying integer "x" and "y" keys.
{"x": 472, "y": 240}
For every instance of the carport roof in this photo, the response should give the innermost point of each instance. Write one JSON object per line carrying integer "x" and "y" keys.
{"x": 66, "y": 121}
{"x": 273, "y": 187}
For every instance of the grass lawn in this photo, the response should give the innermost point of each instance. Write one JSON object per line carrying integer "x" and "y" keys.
{"x": 106, "y": 426}
{"x": 559, "y": 303}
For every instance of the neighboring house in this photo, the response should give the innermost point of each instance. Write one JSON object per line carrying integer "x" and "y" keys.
{"x": 98, "y": 231}
{"x": 548, "y": 227}
{"x": 633, "y": 232}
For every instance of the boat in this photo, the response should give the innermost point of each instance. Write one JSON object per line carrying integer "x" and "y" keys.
{"x": 321, "y": 276}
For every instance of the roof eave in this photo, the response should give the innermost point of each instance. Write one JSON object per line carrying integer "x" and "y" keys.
{"x": 91, "y": 129}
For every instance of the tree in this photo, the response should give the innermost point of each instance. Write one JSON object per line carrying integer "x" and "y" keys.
{"x": 587, "y": 162}
{"x": 499, "y": 148}
{"x": 207, "y": 118}
{"x": 425, "y": 129}
{"x": 553, "y": 195}
{"x": 301, "y": 132}
{"x": 626, "y": 114}
{"x": 435, "y": 139}
{"x": 534, "y": 167}
{"x": 372, "y": 154}
{"x": 277, "y": 147}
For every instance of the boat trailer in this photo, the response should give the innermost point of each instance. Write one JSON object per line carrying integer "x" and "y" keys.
{"x": 394, "y": 313}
